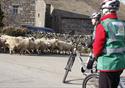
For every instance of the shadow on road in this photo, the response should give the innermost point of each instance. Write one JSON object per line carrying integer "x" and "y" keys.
{"x": 74, "y": 81}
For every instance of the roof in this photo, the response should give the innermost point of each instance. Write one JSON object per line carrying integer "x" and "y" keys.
{"x": 73, "y": 6}
{"x": 83, "y": 7}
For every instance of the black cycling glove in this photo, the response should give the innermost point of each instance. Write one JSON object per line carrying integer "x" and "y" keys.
{"x": 90, "y": 62}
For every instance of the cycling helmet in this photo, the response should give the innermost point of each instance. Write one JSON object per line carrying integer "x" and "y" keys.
{"x": 96, "y": 15}
{"x": 112, "y": 5}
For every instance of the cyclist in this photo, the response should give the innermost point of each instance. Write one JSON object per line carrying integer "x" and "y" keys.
{"x": 109, "y": 45}
{"x": 95, "y": 19}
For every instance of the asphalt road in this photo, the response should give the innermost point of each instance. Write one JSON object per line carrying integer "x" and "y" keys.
{"x": 18, "y": 71}
{"x": 46, "y": 71}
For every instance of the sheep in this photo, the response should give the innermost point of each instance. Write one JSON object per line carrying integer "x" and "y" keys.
{"x": 45, "y": 44}
{"x": 65, "y": 46}
{"x": 39, "y": 45}
{"x": 53, "y": 45}
{"x": 26, "y": 45}
{"x": 11, "y": 43}
{"x": 19, "y": 43}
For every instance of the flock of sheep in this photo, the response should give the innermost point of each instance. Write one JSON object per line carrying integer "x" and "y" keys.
{"x": 48, "y": 43}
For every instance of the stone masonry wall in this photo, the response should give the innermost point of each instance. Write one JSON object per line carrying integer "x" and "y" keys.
{"x": 25, "y": 15}
{"x": 79, "y": 26}
{"x": 63, "y": 21}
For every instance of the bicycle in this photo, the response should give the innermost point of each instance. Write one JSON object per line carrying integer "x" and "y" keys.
{"x": 70, "y": 63}
{"x": 91, "y": 75}
{"x": 91, "y": 80}
{"x": 75, "y": 53}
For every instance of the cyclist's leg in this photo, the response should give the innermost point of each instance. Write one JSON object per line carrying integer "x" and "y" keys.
{"x": 103, "y": 80}
{"x": 109, "y": 79}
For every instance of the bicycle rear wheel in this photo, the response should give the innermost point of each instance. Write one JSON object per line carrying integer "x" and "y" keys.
{"x": 91, "y": 81}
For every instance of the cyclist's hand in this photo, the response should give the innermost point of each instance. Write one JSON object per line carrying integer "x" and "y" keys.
{"x": 90, "y": 62}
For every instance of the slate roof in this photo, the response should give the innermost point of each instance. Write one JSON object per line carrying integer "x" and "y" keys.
{"x": 84, "y": 7}
{"x": 73, "y": 6}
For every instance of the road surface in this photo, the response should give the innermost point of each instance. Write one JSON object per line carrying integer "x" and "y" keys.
{"x": 19, "y": 71}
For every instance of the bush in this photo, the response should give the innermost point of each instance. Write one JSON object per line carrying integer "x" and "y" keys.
{"x": 12, "y": 31}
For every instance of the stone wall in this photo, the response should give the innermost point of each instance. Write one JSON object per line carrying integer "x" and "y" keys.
{"x": 78, "y": 25}
{"x": 66, "y": 22}
{"x": 40, "y": 8}
{"x": 24, "y": 15}
{"x": 34, "y": 12}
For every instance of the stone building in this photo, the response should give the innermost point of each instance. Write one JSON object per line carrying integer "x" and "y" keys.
{"x": 18, "y": 12}
{"x": 73, "y": 15}
{"x": 24, "y": 12}
{"x": 40, "y": 10}
{"x": 64, "y": 16}
{"x": 68, "y": 16}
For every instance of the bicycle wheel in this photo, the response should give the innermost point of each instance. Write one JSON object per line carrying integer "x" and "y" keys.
{"x": 91, "y": 81}
{"x": 65, "y": 76}
{"x": 68, "y": 67}
{"x": 121, "y": 83}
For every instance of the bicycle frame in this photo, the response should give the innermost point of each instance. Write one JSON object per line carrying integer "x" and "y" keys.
{"x": 75, "y": 54}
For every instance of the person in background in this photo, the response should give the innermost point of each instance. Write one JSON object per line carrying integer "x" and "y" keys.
{"x": 109, "y": 45}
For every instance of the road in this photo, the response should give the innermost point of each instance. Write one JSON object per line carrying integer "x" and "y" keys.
{"x": 19, "y": 71}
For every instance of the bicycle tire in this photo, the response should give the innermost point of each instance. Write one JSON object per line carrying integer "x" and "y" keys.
{"x": 65, "y": 76}
{"x": 121, "y": 83}
{"x": 91, "y": 81}
{"x": 68, "y": 67}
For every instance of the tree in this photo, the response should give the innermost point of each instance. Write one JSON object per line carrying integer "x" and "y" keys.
{"x": 1, "y": 17}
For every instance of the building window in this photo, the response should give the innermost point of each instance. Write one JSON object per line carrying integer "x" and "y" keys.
{"x": 33, "y": 2}
{"x": 38, "y": 15}
{"x": 15, "y": 9}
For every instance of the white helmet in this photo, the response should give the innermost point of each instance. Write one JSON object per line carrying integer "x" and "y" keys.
{"x": 96, "y": 15}
{"x": 112, "y": 5}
